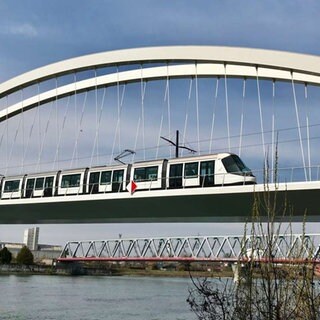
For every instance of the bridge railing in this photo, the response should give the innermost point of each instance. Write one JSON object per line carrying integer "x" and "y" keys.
{"x": 196, "y": 248}
{"x": 290, "y": 174}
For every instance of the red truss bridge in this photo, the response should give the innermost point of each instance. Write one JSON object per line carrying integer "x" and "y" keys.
{"x": 296, "y": 248}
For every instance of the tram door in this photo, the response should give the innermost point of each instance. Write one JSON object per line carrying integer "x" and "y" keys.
{"x": 117, "y": 180}
{"x": 207, "y": 174}
{"x": 48, "y": 187}
{"x": 29, "y": 188}
{"x": 94, "y": 182}
{"x": 175, "y": 176}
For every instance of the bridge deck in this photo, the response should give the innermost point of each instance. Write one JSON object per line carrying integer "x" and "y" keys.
{"x": 215, "y": 204}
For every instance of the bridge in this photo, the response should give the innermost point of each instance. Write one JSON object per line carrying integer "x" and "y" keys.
{"x": 298, "y": 248}
{"x": 83, "y": 112}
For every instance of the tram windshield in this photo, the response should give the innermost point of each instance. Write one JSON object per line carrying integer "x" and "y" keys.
{"x": 234, "y": 164}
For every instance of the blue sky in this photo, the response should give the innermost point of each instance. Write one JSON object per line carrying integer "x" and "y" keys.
{"x": 36, "y": 32}
{"x": 40, "y": 32}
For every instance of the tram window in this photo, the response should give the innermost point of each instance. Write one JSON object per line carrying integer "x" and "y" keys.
{"x": 117, "y": 176}
{"x": 94, "y": 182}
{"x": 48, "y": 187}
{"x": 49, "y": 182}
{"x": 139, "y": 174}
{"x": 191, "y": 170}
{"x": 146, "y": 174}
{"x": 175, "y": 175}
{"x": 94, "y": 178}
{"x": 70, "y": 180}
{"x": 11, "y": 186}
{"x": 117, "y": 180}
{"x": 151, "y": 173}
{"x": 39, "y": 183}
{"x": 105, "y": 177}
{"x": 207, "y": 173}
{"x": 29, "y": 187}
{"x": 207, "y": 168}
{"x": 30, "y": 184}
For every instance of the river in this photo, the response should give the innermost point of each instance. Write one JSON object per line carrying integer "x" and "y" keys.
{"x": 116, "y": 298}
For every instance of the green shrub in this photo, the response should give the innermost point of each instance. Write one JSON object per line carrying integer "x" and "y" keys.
{"x": 25, "y": 256}
{"x": 5, "y": 256}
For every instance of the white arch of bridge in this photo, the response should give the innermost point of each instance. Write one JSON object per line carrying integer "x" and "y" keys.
{"x": 199, "y": 61}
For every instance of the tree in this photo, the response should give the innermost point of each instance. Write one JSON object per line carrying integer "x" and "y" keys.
{"x": 5, "y": 256}
{"x": 25, "y": 256}
{"x": 263, "y": 291}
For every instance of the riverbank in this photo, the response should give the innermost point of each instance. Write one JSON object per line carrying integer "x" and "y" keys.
{"x": 23, "y": 269}
{"x": 77, "y": 269}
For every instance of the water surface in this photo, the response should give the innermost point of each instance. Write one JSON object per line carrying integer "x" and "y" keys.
{"x": 61, "y": 297}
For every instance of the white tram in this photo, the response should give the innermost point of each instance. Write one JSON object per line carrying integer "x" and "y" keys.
{"x": 213, "y": 170}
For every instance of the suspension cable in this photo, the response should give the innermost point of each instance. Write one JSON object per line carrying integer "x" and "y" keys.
{"x": 3, "y": 133}
{"x": 57, "y": 121}
{"x": 136, "y": 139}
{"x": 16, "y": 134}
{"x": 273, "y": 132}
{"x": 60, "y": 133}
{"x": 39, "y": 123}
{"x": 44, "y": 138}
{"x": 30, "y": 135}
{"x": 187, "y": 115}
{"x": 142, "y": 92}
{"x": 308, "y": 131}
{"x": 96, "y": 140}
{"x": 7, "y": 133}
{"x": 161, "y": 121}
{"x": 242, "y": 114}
{"x": 80, "y": 130}
{"x": 118, "y": 109}
{"x": 14, "y": 139}
{"x": 197, "y": 109}
{"x": 168, "y": 105}
{"x": 2, "y": 136}
{"x": 261, "y": 118}
{"x": 76, "y": 128}
{"x": 121, "y": 107}
{"x": 298, "y": 124}
{"x": 117, "y": 131}
{"x": 22, "y": 115}
{"x": 227, "y": 105}
{"x": 118, "y": 120}
{"x": 214, "y": 114}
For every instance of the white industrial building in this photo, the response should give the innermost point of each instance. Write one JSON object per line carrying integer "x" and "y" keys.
{"x": 31, "y": 238}
{"x": 41, "y": 252}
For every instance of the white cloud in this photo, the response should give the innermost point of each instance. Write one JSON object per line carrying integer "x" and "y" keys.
{"x": 24, "y": 29}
